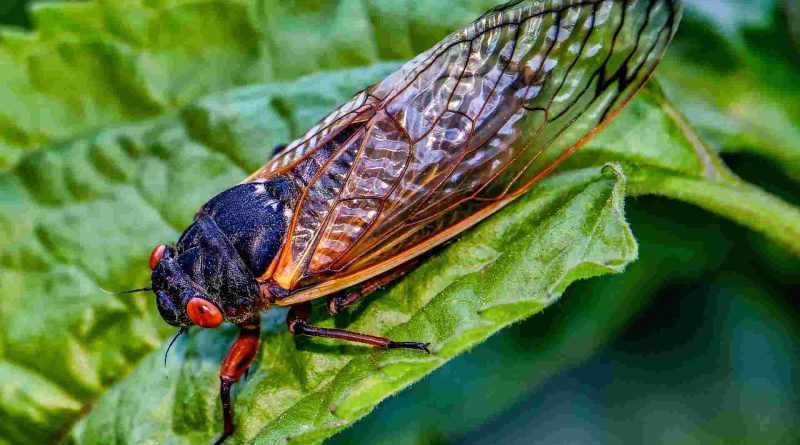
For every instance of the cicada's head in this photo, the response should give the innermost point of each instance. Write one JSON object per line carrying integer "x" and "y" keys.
{"x": 181, "y": 302}
{"x": 211, "y": 275}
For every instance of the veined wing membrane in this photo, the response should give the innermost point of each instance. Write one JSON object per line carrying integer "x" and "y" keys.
{"x": 474, "y": 122}
{"x": 361, "y": 107}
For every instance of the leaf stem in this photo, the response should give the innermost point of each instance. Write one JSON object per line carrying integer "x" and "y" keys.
{"x": 743, "y": 203}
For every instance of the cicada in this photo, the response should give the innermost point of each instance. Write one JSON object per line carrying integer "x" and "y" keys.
{"x": 406, "y": 165}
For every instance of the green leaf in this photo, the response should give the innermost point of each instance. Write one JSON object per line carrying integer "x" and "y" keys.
{"x": 92, "y": 64}
{"x": 665, "y": 156}
{"x": 125, "y": 172}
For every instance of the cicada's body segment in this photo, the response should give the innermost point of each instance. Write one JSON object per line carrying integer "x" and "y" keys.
{"x": 457, "y": 133}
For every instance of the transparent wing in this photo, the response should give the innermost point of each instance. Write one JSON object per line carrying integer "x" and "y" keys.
{"x": 471, "y": 124}
{"x": 359, "y": 108}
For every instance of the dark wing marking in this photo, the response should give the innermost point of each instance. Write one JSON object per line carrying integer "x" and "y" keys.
{"x": 475, "y": 121}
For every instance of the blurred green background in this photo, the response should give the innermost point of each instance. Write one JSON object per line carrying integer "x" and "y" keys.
{"x": 708, "y": 352}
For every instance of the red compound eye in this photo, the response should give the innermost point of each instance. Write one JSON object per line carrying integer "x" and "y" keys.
{"x": 203, "y": 313}
{"x": 157, "y": 255}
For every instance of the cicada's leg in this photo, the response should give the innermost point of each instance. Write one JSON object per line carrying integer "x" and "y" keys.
{"x": 299, "y": 313}
{"x": 238, "y": 360}
{"x": 341, "y": 301}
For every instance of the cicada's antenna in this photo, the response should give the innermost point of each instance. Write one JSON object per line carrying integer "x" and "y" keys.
{"x": 133, "y": 291}
{"x": 178, "y": 334}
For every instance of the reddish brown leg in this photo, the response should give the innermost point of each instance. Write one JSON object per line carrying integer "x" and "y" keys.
{"x": 341, "y": 301}
{"x": 237, "y": 362}
{"x": 299, "y": 313}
